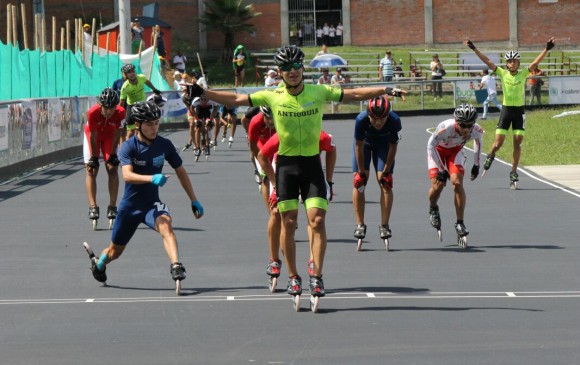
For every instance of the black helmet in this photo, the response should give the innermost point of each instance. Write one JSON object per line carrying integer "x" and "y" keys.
{"x": 465, "y": 114}
{"x": 288, "y": 54}
{"x": 109, "y": 98}
{"x": 266, "y": 111}
{"x": 145, "y": 112}
{"x": 128, "y": 68}
{"x": 379, "y": 107}
{"x": 158, "y": 100}
{"x": 195, "y": 74}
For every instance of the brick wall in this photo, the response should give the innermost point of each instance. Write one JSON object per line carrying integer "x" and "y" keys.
{"x": 538, "y": 22}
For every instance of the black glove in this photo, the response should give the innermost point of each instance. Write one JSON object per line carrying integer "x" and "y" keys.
{"x": 442, "y": 176}
{"x": 195, "y": 90}
{"x": 330, "y": 183}
{"x": 393, "y": 91}
{"x": 549, "y": 45}
{"x": 470, "y": 44}
{"x": 156, "y": 92}
{"x": 113, "y": 160}
{"x": 93, "y": 162}
{"x": 474, "y": 172}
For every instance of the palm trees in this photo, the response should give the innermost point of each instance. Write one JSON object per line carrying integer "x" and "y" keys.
{"x": 229, "y": 17}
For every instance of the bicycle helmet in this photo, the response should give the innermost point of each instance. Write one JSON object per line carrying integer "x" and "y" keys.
{"x": 266, "y": 111}
{"x": 379, "y": 107}
{"x": 288, "y": 54}
{"x": 145, "y": 112}
{"x": 195, "y": 74}
{"x": 128, "y": 68}
{"x": 157, "y": 100}
{"x": 511, "y": 55}
{"x": 109, "y": 98}
{"x": 465, "y": 114}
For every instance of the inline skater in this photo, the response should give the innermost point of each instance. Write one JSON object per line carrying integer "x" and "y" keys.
{"x": 203, "y": 113}
{"x": 102, "y": 134}
{"x": 446, "y": 160}
{"x": 512, "y": 114}
{"x": 132, "y": 91}
{"x": 142, "y": 158}
{"x": 297, "y": 108}
{"x": 228, "y": 118}
{"x": 377, "y": 132}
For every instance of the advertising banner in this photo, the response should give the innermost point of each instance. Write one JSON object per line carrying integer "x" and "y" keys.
{"x": 564, "y": 90}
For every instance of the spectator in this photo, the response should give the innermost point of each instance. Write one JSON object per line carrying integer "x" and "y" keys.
{"x": 536, "y": 83}
{"x": 240, "y": 62}
{"x": 271, "y": 79}
{"x": 137, "y": 36}
{"x": 177, "y": 80}
{"x": 325, "y": 78}
{"x": 319, "y": 35}
{"x": 88, "y": 44}
{"x": 437, "y": 73}
{"x": 157, "y": 38}
{"x": 339, "y": 30}
{"x": 323, "y": 50}
{"x": 337, "y": 80}
{"x": 332, "y": 36}
{"x": 179, "y": 61}
{"x": 325, "y": 33}
{"x": 387, "y": 68}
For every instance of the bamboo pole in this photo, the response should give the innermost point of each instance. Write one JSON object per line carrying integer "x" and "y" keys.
{"x": 107, "y": 43}
{"x": 43, "y": 34}
{"x": 53, "y": 33}
{"x": 68, "y": 35}
{"x": 36, "y": 31}
{"x": 93, "y": 34}
{"x": 76, "y": 34}
{"x": 8, "y": 24}
{"x": 14, "y": 25}
{"x": 62, "y": 42}
{"x": 24, "y": 24}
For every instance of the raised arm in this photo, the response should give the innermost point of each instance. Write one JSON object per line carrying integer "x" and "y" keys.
{"x": 481, "y": 56}
{"x": 220, "y": 97}
{"x": 549, "y": 46}
{"x": 365, "y": 93}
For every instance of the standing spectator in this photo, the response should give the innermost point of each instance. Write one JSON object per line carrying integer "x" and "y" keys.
{"x": 489, "y": 81}
{"x": 240, "y": 62}
{"x": 137, "y": 36}
{"x": 325, "y": 33}
{"x": 332, "y": 36}
{"x": 437, "y": 73}
{"x": 377, "y": 132}
{"x": 339, "y": 31}
{"x": 157, "y": 36}
{"x": 325, "y": 78}
{"x": 319, "y": 36}
{"x": 177, "y": 80}
{"x": 387, "y": 68}
{"x": 512, "y": 114}
{"x": 300, "y": 37}
{"x": 179, "y": 61}
{"x": 536, "y": 83}
{"x": 88, "y": 44}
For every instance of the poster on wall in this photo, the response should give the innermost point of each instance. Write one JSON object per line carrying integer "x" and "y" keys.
{"x": 465, "y": 91}
{"x": 54, "y": 119}
{"x": 72, "y": 117}
{"x": 28, "y": 125}
{"x": 3, "y": 128}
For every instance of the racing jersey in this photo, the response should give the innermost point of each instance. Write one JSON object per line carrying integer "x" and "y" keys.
{"x": 97, "y": 123}
{"x": 134, "y": 93}
{"x": 513, "y": 87}
{"x": 390, "y": 132}
{"x": 258, "y": 132}
{"x": 298, "y": 118}
{"x": 146, "y": 160}
{"x": 203, "y": 108}
{"x": 447, "y": 136}
{"x": 269, "y": 149}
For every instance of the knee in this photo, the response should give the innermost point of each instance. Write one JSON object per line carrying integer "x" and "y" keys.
{"x": 317, "y": 223}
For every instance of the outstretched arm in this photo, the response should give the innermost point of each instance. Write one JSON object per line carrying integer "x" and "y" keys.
{"x": 365, "y": 93}
{"x": 481, "y": 56}
{"x": 549, "y": 46}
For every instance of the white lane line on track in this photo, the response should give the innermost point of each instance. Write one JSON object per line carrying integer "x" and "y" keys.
{"x": 522, "y": 169}
{"x": 331, "y": 295}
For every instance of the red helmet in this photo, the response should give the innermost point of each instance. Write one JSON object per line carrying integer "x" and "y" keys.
{"x": 379, "y": 107}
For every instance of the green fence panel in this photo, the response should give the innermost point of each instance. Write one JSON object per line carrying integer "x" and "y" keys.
{"x": 5, "y": 72}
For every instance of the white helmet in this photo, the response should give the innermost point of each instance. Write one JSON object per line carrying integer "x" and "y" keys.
{"x": 511, "y": 55}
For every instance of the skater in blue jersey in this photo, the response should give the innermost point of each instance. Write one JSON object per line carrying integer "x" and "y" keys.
{"x": 142, "y": 158}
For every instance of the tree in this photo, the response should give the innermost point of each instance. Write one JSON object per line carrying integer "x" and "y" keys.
{"x": 229, "y": 17}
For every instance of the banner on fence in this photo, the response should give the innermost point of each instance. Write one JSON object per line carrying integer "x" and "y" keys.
{"x": 564, "y": 90}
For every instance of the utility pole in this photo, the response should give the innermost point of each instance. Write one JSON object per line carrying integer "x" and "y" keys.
{"x": 125, "y": 26}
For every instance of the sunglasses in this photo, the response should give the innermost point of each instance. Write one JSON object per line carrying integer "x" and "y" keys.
{"x": 289, "y": 66}
{"x": 465, "y": 126}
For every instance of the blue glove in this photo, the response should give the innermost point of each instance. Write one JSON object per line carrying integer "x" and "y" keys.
{"x": 159, "y": 179}
{"x": 197, "y": 209}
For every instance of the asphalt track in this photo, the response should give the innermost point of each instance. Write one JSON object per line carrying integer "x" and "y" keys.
{"x": 512, "y": 298}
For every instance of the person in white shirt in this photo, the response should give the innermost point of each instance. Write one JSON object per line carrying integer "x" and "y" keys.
{"x": 489, "y": 81}
{"x": 387, "y": 67}
{"x": 179, "y": 61}
{"x": 271, "y": 79}
{"x": 339, "y": 30}
{"x": 325, "y": 78}
{"x": 337, "y": 80}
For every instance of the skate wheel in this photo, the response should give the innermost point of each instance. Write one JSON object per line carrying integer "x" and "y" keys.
{"x": 95, "y": 224}
{"x": 462, "y": 241}
{"x": 314, "y": 301}
{"x": 230, "y": 144}
{"x": 359, "y": 244}
{"x": 89, "y": 250}
{"x": 273, "y": 284}
{"x": 111, "y": 222}
{"x": 296, "y": 302}
{"x": 440, "y": 235}
{"x": 178, "y": 287}
{"x": 387, "y": 244}
{"x": 514, "y": 185}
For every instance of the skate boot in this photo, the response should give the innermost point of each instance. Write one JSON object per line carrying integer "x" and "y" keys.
{"x": 99, "y": 275}
{"x": 316, "y": 286}
{"x": 257, "y": 177}
{"x": 385, "y": 233}
{"x": 178, "y": 274}
{"x": 273, "y": 270}
{"x": 435, "y": 220}
{"x": 294, "y": 288}
{"x": 514, "y": 178}
{"x": 196, "y": 153}
{"x": 94, "y": 216}
{"x": 462, "y": 233}
{"x": 231, "y": 141}
{"x": 487, "y": 164}
{"x": 223, "y": 138}
{"x": 360, "y": 231}
{"x": 187, "y": 146}
{"x": 111, "y": 215}
{"x": 310, "y": 266}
